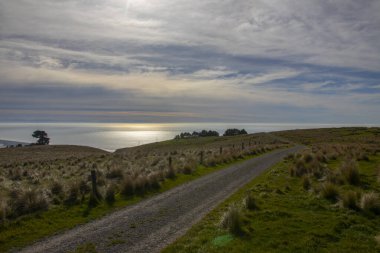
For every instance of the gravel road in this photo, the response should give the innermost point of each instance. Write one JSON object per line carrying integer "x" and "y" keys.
{"x": 150, "y": 225}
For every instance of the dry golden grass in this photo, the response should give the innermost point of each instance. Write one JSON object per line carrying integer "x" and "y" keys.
{"x": 62, "y": 173}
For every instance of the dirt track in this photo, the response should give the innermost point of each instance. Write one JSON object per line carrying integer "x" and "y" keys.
{"x": 155, "y": 222}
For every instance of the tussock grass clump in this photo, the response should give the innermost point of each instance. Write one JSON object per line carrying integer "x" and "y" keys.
{"x": 3, "y": 212}
{"x": 350, "y": 172}
{"x": 306, "y": 182}
{"x": 153, "y": 181}
{"x": 330, "y": 191}
{"x": 83, "y": 189}
{"x": 127, "y": 187}
{"x": 29, "y": 201}
{"x": 141, "y": 184}
{"x": 110, "y": 194}
{"x": 231, "y": 220}
{"x": 350, "y": 200}
{"x": 56, "y": 188}
{"x": 115, "y": 173}
{"x": 188, "y": 169}
{"x": 300, "y": 168}
{"x": 308, "y": 157}
{"x": 335, "y": 177}
{"x": 171, "y": 173}
{"x": 370, "y": 202}
{"x": 72, "y": 195}
{"x": 362, "y": 157}
{"x": 250, "y": 203}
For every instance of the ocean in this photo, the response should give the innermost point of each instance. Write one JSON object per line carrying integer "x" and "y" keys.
{"x": 112, "y": 136}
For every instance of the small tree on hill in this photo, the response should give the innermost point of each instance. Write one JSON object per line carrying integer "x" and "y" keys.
{"x": 42, "y": 136}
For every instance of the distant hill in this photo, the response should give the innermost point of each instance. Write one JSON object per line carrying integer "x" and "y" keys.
{"x": 47, "y": 153}
{"x": 5, "y": 143}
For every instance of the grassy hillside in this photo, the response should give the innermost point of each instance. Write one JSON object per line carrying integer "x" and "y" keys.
{"x": 47, "y": 189}
{"x": 325, "y": 199}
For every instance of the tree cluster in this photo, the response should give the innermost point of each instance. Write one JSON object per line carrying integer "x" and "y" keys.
{"x": 203, "y": 133}
{"x": 234, "y": 131}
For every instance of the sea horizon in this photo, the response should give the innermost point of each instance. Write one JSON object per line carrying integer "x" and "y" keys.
{"x": 112, "y": 136}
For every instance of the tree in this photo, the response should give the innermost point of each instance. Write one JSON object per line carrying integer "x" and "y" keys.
{"x": 42, "y": 136}
{"x": 234, "y": 131}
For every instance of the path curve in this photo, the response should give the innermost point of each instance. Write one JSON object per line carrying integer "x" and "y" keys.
{"x": 150, "y": 225}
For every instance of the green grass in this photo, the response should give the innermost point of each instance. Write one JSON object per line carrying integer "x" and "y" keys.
{"x": 86, "y": 248}
{"x": 289, "y": 219}
{"x": 27, "y": 229}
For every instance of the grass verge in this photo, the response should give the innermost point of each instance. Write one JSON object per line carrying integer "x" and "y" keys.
{"x": 27, "y": 229}
{"x": 288, "y": 218}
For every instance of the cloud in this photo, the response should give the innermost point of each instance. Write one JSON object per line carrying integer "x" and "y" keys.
{"x": 233, "y": 59}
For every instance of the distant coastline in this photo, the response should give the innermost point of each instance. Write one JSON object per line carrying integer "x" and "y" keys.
{"x": 113, "y": 136}
{"x": 9, "y": 143}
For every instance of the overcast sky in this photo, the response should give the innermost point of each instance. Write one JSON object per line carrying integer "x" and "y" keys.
{"x": 181, "y": 61}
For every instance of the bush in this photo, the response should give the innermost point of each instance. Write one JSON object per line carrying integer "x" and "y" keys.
{"x": 330, "y": 191}
{"x": 249, "y": 202}
{"x": 231, "y": 220}
{"x": 350, "y": 200}
{"x": 370, "y": 202}
{"x": 128, "y": 187}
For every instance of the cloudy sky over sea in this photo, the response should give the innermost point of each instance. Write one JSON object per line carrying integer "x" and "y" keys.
{"x": 190, "y": 61}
